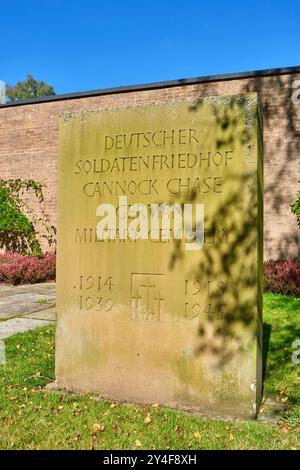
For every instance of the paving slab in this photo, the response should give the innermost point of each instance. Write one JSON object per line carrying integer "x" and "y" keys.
{"x": 26, "y": 299}
{"x": 20, "y": 325}
{"x": 44, "y": 288}
{"x": 48, "y": 314}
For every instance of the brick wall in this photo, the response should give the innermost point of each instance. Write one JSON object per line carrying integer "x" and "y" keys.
{"x": 29, "y": 144}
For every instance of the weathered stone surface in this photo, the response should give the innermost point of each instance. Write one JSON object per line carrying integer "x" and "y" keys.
{"x": 25, "y": 299}
{"x": 152, "y": 320}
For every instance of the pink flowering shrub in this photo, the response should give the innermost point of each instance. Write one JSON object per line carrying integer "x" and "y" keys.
{"x": 18, "y": 269}
{"x": 282, "y": 277}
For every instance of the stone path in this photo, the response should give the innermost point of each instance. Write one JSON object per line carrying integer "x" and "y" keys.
{"x": 23, "y": 308}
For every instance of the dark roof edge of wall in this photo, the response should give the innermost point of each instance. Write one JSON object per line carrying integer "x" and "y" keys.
{"x": 157, "y": 85}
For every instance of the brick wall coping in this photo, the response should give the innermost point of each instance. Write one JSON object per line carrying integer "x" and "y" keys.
{"x": 157, "y": 85}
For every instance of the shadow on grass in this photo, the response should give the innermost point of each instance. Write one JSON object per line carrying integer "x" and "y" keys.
{"x": 267, "y": 328}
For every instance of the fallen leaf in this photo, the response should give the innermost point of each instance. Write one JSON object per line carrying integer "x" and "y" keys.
{"x": 147, "y": 420}
{"x": 231, "y": 437}
{"x": 284, "y": 429}
{"x": 98, "y": 427}
{"x": 197, "y": 435}
{"x": 155, "y": 405}
{"x": 138, "y": 443}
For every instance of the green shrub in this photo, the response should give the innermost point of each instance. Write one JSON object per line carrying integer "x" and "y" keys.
{"x": 17, "y": 233}
{"x": 295, "y": 208}
{"x": 19, "y": 220}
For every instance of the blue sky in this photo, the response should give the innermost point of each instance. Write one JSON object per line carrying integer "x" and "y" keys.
{"x": 87, "y": 44}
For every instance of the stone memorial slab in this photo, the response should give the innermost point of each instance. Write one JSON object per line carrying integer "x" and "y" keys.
{"x": 159, "y": 276}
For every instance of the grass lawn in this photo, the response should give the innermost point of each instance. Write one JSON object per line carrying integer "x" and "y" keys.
{"x": 32, "y": 418}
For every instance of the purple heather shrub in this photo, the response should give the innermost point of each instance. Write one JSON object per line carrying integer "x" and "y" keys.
{"x": 18, "y": 269}
{"x": 282, "y": 277}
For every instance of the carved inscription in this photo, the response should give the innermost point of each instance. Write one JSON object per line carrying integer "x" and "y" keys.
{"x": 95, "y": 293}
{"x": 205, "y": 299}
{"x": 113, "y": 167}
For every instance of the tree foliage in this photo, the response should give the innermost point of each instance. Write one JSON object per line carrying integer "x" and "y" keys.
{"x": 29, "y": 88}
{"x": 18, "y": 220}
